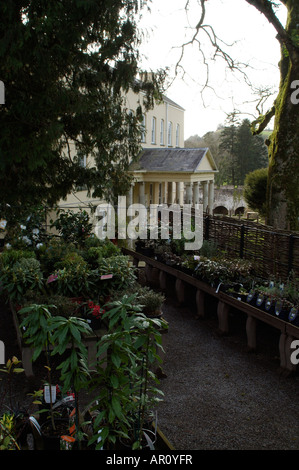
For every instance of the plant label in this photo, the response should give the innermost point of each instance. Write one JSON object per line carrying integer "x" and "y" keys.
{"x": 47, "y": 393}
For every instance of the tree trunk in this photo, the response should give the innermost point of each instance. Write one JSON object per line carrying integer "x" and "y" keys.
{"x": 283, "y": 189}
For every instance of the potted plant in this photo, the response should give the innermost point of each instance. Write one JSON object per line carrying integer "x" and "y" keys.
{"x": 37, "y": 334}
{"x": 150, "y": 301}
{"x": 94, "y": 315}
{"x": 125, "y": 383}
{"x": 67, "y": 337}
{"x": 114, "y": 273}
{"x": 10, "y": 435}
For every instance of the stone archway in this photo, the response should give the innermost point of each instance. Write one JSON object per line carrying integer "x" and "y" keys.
{"x": 240, "y": 210}
{"x": 220, "y": 210}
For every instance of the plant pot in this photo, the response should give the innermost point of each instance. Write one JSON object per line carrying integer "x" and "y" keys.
{"x": 280, "y": 311}
{"x": 293, "y": 316}
{"x": 95, "y": 323}
{"x": 270, "y": 305}
{"x": 50, "y": 437}
{"x": 251, "y": 297}
{"x": 260, "y": 300}
{"x": 154, "y": 314}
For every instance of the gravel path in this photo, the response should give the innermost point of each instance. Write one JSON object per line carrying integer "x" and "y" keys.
{"x": 220, "y": 397}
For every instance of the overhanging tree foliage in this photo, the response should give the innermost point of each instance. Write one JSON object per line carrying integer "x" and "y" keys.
{"x": 282, "y": 186}
{"x": 65, "y": 65}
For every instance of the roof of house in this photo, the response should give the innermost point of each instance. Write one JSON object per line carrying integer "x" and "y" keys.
{"x": 172, "y": 103}
{"x": 172, "y": 160}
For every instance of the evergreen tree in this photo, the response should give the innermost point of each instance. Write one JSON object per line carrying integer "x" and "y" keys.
{"x": 242, "y": 153}
{"x": 65, "y": 65}
{"x": 252, "y": 152}
{"x": 229, "y": 146}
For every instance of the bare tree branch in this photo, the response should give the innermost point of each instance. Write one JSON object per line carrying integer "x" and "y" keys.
{"x": 266, "y": 8}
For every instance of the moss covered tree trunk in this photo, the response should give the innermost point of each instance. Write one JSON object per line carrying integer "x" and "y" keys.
{"x": 283, "y": 179}
{"x": 283, "y": 183}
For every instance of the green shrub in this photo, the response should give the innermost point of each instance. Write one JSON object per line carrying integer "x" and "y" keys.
{"x": 105, "y": 249}
{"x": 10, "y": 257}
{"x": 23, "y": 276}
{"x": 255, "y": 190}
{"x": 119, "y": 266}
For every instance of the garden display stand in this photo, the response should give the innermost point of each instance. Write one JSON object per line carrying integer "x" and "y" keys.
{"x": 157, "y": 273}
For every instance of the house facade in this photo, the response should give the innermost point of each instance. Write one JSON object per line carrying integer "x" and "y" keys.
{"x": 165, "y": 172}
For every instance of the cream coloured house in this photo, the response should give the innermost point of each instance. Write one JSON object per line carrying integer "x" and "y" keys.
{"x": 165, "y": 172}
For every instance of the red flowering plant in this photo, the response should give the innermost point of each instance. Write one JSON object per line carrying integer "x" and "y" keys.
{"x": 95, "y": 310}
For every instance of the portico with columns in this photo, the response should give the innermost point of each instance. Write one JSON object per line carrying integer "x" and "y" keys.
{"x": 168, "y": 176}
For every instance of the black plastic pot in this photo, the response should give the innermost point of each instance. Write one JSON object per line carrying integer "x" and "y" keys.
{"x": 50, "y": 437}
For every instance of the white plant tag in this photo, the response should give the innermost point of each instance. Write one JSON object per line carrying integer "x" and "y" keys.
{"x": 47, "y": 393}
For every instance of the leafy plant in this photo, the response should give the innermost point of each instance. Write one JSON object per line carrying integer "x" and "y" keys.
{"x": 37, "y": 334}
{"x": 67, "y": 336}
{"x": 105, "y": 249}
{"x": 126, "y": 381}
{"x": 7, "y": 437}
{"x": 209, "y": 249}
{"x": 65, "y": 332}
{"x": 10, "y": 256}
{"x": 11, "y": 367}
{"x": 74, "y": 227}
{"x": 149, "y": 300}
{"x": 123, "y": 275}
{"x": 74, "y": 280}
{"x": 22, "y": 276}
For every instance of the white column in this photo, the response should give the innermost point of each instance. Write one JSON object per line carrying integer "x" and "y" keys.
{"x": 205, "y": 195}
{"x": 189, "y": 193}
{"x": 156, "y": 193}
{"x": 165, "y": 192}
{"x": 141, "y": 193}
{"x": 195, "y": 193}
{"x": 211, "y": 197}
{"x": 129, "y": 203}
{"x": 178, "y": 193}
{"x": 130, "y": 195}
{"x": 169, "y": 193}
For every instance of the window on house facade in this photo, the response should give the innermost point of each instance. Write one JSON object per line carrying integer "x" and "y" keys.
{"x": 82, "y": 162}
{"x": 143, "y": 129}
{"x": 169, "y": 137}
{"x": 177, "y": 135}
{"x": 153, "y": 130}
{"x": 162, "y": 132}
